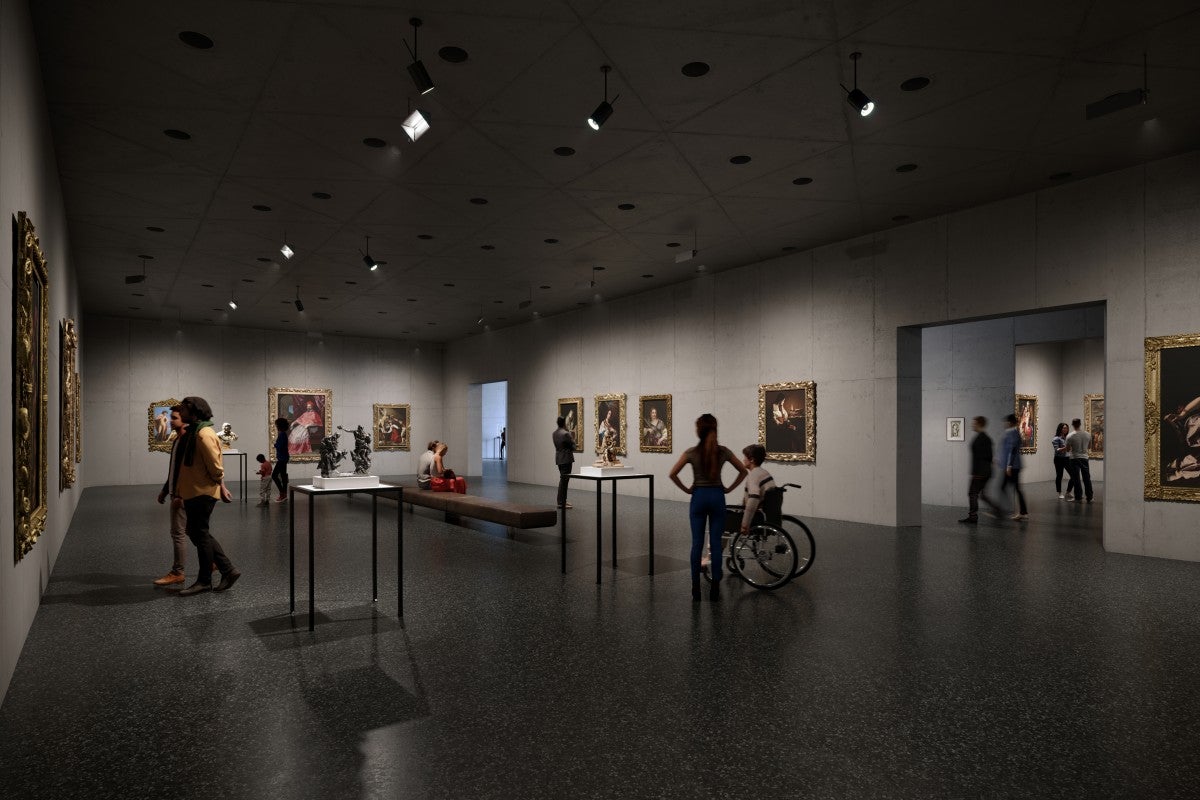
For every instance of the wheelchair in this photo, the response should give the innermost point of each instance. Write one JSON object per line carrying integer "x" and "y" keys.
{"x": 777, "y": 547}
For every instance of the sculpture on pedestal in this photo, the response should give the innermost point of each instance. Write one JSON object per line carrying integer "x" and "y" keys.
{"x": 362, "y": 450}
{"x": 330, "y": 456}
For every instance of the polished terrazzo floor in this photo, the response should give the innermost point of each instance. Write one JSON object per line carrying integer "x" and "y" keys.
{"x": 1004, "y": 661}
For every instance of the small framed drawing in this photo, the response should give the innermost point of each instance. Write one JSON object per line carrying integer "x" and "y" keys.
{"x": 309, "y": 414}
{"x": 787, "y": 420}
{"x": 1025, "y": 406}
{"x": 956, "y": 429}
{"x": 654, "y": 423}
{"x": 571, "y": 410}
{"x": 1172, "y": 422}
{"x": 159, "y": 436}
{"x": 1093, "y": 423}
{"x": 393, "y": 422}
{"x": 610, "y": 422}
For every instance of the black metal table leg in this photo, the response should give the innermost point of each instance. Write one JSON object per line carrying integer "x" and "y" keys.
{"x": 292, "y": 543}
{"x": 651, "y": 525}
{"x": 400, "y": 552}
{"x": 614, "y": 524}
{"x": 599, "y": 530}
{"x": 312, "y": 609}
{"x": 563, "y": 535}
{"x": 374, "y": 547}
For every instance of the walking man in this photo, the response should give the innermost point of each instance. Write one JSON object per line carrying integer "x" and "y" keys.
{"x": 981, "y": 471}
{"x": 1010, "y": 459}
{"x": 564, "y": 457}
{"x": 178, "y": 518}
{"x": 1081, "y": 472}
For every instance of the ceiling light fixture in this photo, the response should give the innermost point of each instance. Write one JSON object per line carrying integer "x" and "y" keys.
{"x": 137, "y": 278}
{"x": 416, "y": 70}
{"x": 604, "y": 110}
{"x": 416, "y": 124}
{"x": 371, "y": 263}
{"x": 857, "y": 97}
{"x": 284, "y": 249}
{"x": 299, "y": 303}
{"x": 232, "y": 302}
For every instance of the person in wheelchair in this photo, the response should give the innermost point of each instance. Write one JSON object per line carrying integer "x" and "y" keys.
{"x": 762, "y": 499}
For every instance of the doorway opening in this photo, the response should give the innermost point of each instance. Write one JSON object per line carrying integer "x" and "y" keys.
{"x": 493, "y": 429}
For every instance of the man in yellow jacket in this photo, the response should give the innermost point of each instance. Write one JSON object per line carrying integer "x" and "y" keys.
{"x": 198, "y": 486}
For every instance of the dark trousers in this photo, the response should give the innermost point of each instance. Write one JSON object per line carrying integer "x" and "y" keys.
{"x": 1061, "y": 463}
{"x": 974, "y": 492}
{"x": 208, "y": 549}
{"x": 1012, "y": 480}
{"x": 563, "y": 471}
{"x": 707, "y": 506}
{"x": 1081, "y": 478}
{"x": 280, "y": 477}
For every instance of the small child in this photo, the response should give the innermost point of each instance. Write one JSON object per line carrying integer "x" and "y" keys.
{"x": 758, "y": 483}
{"x": 264, "y": 480}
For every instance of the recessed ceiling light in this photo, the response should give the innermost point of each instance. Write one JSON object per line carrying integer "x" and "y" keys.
{"x": 155, "y": 229}
{"x": 137, "y": 294}
{"x": 352, "y": 283}
{"x": 135, "y": 308}
{"x": 148, "y": 258}
{"x": 425, "y": 236}
{"x": 196, "y": 40}
{"x": 901, "y": 218}
{"x": 322, "y": 298}
{"x": 915, "y": 84}
{"x": 372, "y": 141}
{"x": 487, "y": 247}
{"x": 564, "y": 151}
{"x": 479, "y": 201}
{"x": 431, "y": 323}
{"x": 261, "y": 207}
{"x": 412, "y": 299}
{"x": 498, "y": 302}
{"x": 648, "y": 275}
{"x": 322, "y": 195}
{"x": 177, "y": 134}
{"x": 448, "y": 285}
{"x": 740, "y": 160}
{"x": 285, "y": 321}
{"x": 550, "y": 241}
{"x": 265, "y": 260}
{"x": 452, "y": 54}
{"x": 627, "y": 206}
{"x": 544, "y": 286}
{"x": 695, "y": 69}
{"x": 673, "y": 244}
{"x": 247, "y": 280}
{"x": 1060, "y": 176}
{"x": 802, "y": 181}
{"x": 787, "y": 249}
{"x": 207, "y": 285}
{"x": 216, "y": 309}
{"x": 381, "y": 312}
{"x": 285, "y": 302}
{"x": 906, "y": 168}
{"x": 599, "y": 269}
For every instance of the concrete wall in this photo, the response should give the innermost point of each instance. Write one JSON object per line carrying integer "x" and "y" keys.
{"x": 132, "y": 363}
{"x": 29, "y": 182}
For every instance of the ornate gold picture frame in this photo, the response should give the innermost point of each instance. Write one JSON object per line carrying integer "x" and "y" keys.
{"x": 68, "y": 425}
{"x": 31, "y": 334}
{"x": 1093, "y": 423}
{"x": 571, "y": 410}
{"x": 787, "y": 420}
{"x": 654, "y": 423}
{"x": 393, "y": 425}
{"x": 610, "y": 420}
{"x": 309, "y": 413}
{"x": 1025, "y": 407}
{"x": 1172, "y": 418}
{"x": 159, "y": 436}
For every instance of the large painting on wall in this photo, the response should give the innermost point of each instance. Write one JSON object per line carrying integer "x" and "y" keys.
{"x": 1093, "y": 423}
{"x": 68, "y": 423}
{"x": 571, "y": 410}
{"x": 1173, "y": 418}
{"x": 654, "y": 422}
{"x": 159, "y": 436}
{"x": 610, "y": 423}
{"x": 31, "y": 333}
{"x": 309, "y": 413}
{"x": 787, "y": 420}
{"x": 1025, "y": 406}
{"x": 393, "y": 423}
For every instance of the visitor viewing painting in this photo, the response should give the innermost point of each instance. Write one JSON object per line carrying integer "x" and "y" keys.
{"x": 571, "y": 410}
{"x": 1173, "y": 418}
{"x": 309, "y": 415}
{"x": 392, "y": 426}
{"x": 787, "y": 424}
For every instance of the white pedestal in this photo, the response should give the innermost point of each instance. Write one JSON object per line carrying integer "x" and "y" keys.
{"x": 347, "y": 481}
{"x": 606, "y": 472}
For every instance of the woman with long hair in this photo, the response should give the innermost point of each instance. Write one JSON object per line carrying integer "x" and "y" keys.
{"x": 1061, "y": 458}
{"x": 708, "y": 497}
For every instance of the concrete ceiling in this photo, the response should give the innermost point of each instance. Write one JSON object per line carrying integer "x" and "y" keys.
{"x": 278, "y": 109}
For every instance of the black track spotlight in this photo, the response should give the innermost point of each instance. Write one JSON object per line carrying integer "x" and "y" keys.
{"x": 232, "y": 302}
{"x": 137, "y": 278}
{"x": 299, "y": 302}
{"x": 371, "y": 263}
{"x": 416, "y": 70}
{"x": 284, "y": 249}
{"x": 604, "y": 110}
{"x": 857, "y": 97}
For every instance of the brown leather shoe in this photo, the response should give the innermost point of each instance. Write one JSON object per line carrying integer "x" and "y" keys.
{"x": 169, "y": 578}
{"x": 195, "y": 588}
{"x": 227, "y": 581}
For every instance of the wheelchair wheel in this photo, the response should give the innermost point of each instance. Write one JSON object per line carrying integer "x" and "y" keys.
{"x": 764, "y": 557}
{"x": 806, "y": 545}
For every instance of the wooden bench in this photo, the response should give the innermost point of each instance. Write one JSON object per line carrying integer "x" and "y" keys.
{"x": 514, "y": 515}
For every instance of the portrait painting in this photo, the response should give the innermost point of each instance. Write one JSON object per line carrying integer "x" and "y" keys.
{"x": 787, "y": 420}
{"x": 1093, "y": 423}
{"x": 571, "y": 410}
{"x": 159, "y": 436}
{"x": 30, "y": 365}
{"x": 68, "y": 388}
{"x": 1025, "y": 406}
{"x": 956, "y": 429}
{"x": 654, "y": 422}
{"x": 309, "y": 415}
{"x": 610, "y": 424}
{"x": 1172, "y": 405}
{"x": 393, "y": 423}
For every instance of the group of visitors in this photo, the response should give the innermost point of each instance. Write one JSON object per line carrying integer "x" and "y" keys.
{"x": 1071, "y": 454}
{"x": 432, "y": 464}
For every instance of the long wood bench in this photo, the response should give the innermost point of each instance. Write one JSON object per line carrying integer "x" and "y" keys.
{"x": 514, "y": 515}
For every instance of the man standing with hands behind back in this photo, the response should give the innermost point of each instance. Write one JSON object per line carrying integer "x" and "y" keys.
{"x": 178, "y": 518}
{"x": 564, "y": 457}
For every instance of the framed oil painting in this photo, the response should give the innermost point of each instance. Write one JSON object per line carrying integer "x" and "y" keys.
{"x": 654, "y": 423}
{"x": 956, "y": 429}
{"x": 31, "y": 334}
{"x": 309, "y": 414}
{"x": 1025, "y": 406}
{"x": 68, "y": 422}
{"x": 571, "y": 410}
{"x": 393, "y": 424}
{"x": 1173, "y": 418}
{"x": 610, "y": 423}
{"x": 787, "y": 420}
{"x": 1093, "y": 423}
{"x": 159, "y": 436}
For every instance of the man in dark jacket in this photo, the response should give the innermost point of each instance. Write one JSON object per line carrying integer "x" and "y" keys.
{"x": 564, "y": 457}
{"x": 981, "y": 471}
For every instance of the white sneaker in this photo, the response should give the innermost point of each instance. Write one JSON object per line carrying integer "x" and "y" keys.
{"x": 1062, "y": 497}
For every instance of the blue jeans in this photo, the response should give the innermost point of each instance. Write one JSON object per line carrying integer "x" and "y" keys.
{"x": 708, "y": 505}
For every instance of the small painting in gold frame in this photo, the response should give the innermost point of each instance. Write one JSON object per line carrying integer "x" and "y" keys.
{"x": 571, "y": 410}
{"x": 654, "y": 423}
{"x": 787, "y": 420}
{"x": 1093, "y": 423}
{"x": 393, "y": 424}
{"x": 610, "y": 419}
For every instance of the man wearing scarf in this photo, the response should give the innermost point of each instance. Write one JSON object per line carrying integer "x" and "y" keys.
{"x": 198, "y": 486}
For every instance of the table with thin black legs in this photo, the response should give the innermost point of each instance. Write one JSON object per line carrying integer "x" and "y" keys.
{"x": 313, "y": 492}
{"x": 599, "y": 480}
{"x": 242, "y": 456}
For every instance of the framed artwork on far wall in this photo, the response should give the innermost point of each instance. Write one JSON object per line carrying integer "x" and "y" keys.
{"x": 1025, "y": 406}
{"x": 159, "y": 436}
{"x": 393, "y": 424}
{"x": 654, "y": 423}
{"x": 610, "y": 421}
{"x": 68, "y": 388}
{"x": 1093, "y": 423}
{"x": 571, "y": 410}
{"x": 1172, "y": 420}
{"x": 956, "y": 429}
{"x": 309, "y": 413}
{"x": 787, "y": 420}
{"x": 31, "y": 387}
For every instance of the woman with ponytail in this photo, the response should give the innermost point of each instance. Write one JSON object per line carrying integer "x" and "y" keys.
{"x": 708, "y": 496}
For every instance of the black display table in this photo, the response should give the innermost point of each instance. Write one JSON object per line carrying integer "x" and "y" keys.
{"x": 599, "y": 480}
{"x": 243, "y": 469}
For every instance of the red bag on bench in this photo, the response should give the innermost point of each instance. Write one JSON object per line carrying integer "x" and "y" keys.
{"x": 460, "y": 485}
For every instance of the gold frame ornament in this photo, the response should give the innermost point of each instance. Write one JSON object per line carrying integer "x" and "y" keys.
{"x": 643, "y": 428}
{"x": 784, "y": 434}
{"x": 379, "y": 414}
{"x": 606, "y": 400}
{"x": 68, "y": 424}
{"x": 1027, "y": 449}
{"x": 1174, "y": 410}
{"x": 31, "y": 335}
{"x": 155, "y": 441}
{"x": 575, "y": 426}
{"x": 1090, "y": 423}
{"x": 273, "y": 395}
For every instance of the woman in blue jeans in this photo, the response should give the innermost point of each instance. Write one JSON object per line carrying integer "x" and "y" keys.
{"x": 708, "y": 497}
